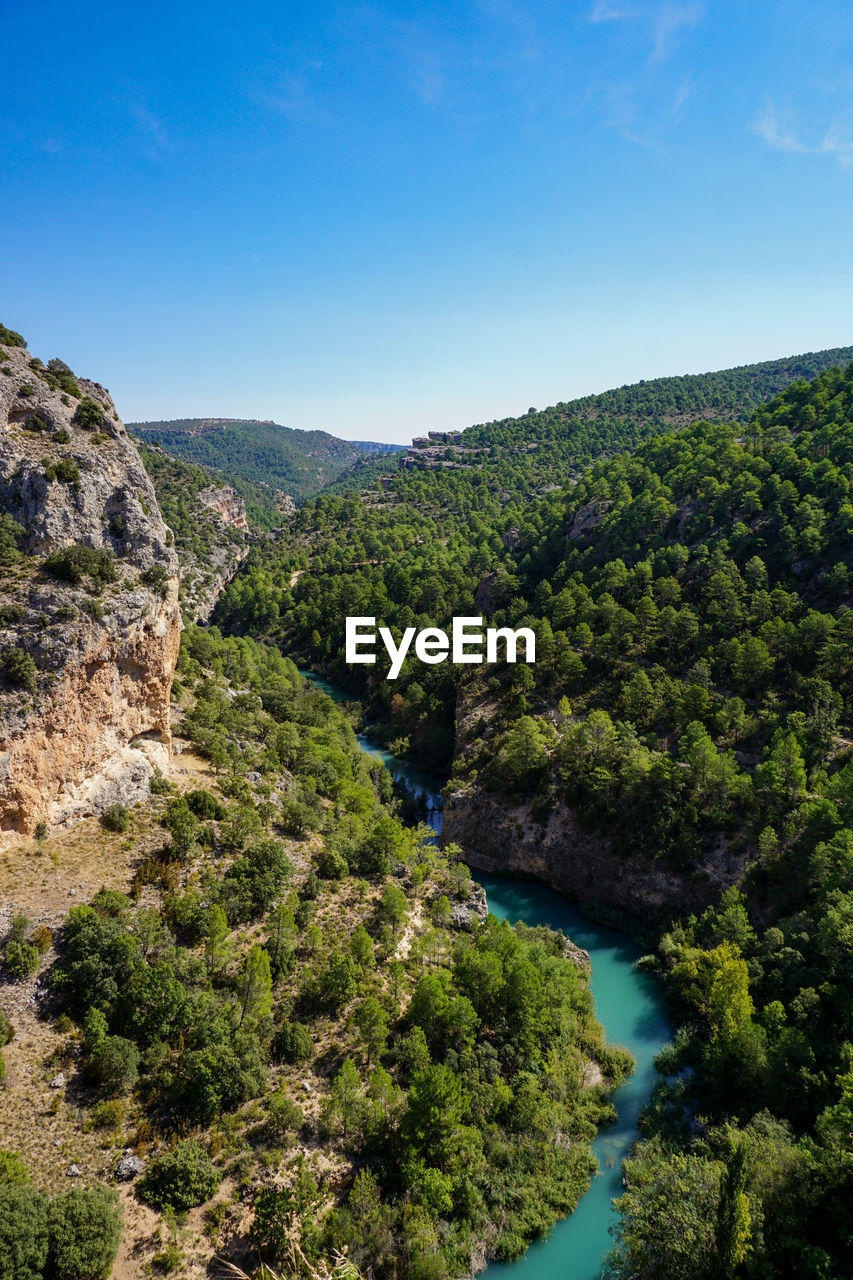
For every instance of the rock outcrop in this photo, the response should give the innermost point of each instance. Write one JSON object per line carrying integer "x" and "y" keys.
{"x": 227, "y": 504}
{"x": 89, "y": 618}
{"x": 506, "y": 840}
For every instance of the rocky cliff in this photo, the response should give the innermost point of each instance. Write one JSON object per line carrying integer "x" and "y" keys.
{"x": 557, "y": 849}
{"x": 210, "y": 527}
{"x": 227, "y": 504}
{"x": 89, "y": 619}
{"x": 506, "y": 839}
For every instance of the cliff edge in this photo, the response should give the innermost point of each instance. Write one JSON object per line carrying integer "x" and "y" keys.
{"x": 89, "y": 617}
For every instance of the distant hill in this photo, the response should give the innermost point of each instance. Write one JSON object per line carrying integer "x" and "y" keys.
{"x": 299, "y": 463}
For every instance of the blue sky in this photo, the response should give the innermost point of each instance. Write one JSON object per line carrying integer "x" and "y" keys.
{"x": 383, "y": 218}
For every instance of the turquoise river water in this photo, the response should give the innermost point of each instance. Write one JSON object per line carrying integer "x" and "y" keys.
{"x": 628, "y": 1006}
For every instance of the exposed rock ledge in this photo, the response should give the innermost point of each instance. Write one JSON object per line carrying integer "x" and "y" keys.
{"x": 90, "y": 724}
{"x": 508, "y": 841}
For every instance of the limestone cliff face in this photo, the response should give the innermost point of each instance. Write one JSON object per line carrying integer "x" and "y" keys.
{"x": 505, "y": 839}
{"x": 88, "y": 641}
{"x": 227, "y": 504}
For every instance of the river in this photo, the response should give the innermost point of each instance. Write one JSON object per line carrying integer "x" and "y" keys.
{"x": 627, "y": 1004}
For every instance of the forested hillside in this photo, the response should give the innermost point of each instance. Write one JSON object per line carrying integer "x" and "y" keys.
{"x": 298, "y": 463}
{"x": 296, "y": 1016}
{"x": 693, "y": 692}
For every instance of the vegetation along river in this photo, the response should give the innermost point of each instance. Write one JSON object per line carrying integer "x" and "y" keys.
{"x": 628, "y": 1006}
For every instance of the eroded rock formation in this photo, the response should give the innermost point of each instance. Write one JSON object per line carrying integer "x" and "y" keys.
{"x": 89, "y": 618}
{"x": 227, "y": 504}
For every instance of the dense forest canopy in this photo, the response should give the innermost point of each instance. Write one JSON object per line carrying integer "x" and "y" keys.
{"x": 298, "y": 463}
{"x": 693, "y": 690}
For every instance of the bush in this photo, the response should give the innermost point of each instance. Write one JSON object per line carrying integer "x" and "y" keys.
{"x": 20, "y": 669}
{"x": 116, "y": 818}
{"x": 332, "y": 865}
{"x": 157, "y": 578}
{"x": 61, "y": 435}
{"x": 181, "y": 1179}
{"x": 9, "y": 338}
{"x": 293, "y": 1043}
{"x": 61, "y": 378}
{"x": 11, "y": 537}
{"x": 89, "y": 414}
{"x": 205, "y": 805}
{"x": 7, "y": 1031}
{"x": 71, "y": 564}
{"x": 23, "y": 1232}
{"x": 159, "y": 784}
{"x": 85, "y": 1231}
{"x": 108, "y": 1114}
{"x": 113, "y": 1065}
{"x": 12, "y": 1168}
{"x": 65, "y": 470}
{"x": 22, "y": 958}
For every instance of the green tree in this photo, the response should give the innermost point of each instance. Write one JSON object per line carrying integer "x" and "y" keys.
{"x": 347, "y": 1096}
{"x": 372, "y": 1024}
{"x": 254, "y": 987}
{"x": 85, "y": 1231}
{"x": 181, "y": 1179}
{"x": 23, "y": 1232}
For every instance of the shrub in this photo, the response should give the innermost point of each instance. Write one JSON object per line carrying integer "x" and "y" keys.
{"x": 332, "y": 865}
{"x": 42, "y": 938}
{"x": 205, "y": 805}
{"x": 159, "y": 784}
{"x": 108, "y": 1114}
{"x": 25, "y": 390}
{"x": 181, "y": 1179}
{"x": 10, "y": 338}
{"x": 23, "y": 1232}
{"x": 22, "y": 958}
{"x": 84, "y": 1228}
{"x": 20, "y": 669}
{"x": 253, "y": 882}
{"x": 113, "y": 1064}
{"x": 62, "y": 435}
{"x": 293, "y": 1043}
{"x": 61, "y": 378}
{"x": 157, "y": 578}
{"x": 13, "y": 1169}
{"x": 11, "y": 536}
{"x": 35, "y": 422}
{"x": 116, "y": 818}
{"x": 71, "y": 564}
{"x": 7, "y": 1031}
{"x": 89, "y": 414}
{"x": 65, "y": 470}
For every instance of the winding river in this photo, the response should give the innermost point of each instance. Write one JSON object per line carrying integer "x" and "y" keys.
{"x": 627, "y": 1004}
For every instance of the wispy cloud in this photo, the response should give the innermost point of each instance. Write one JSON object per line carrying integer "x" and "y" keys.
{"x": 520, "y": 22}
{"x": 154, "y": 133}
{"x": 611, "y": 11}
{"x": 291, "y": 95}
{"x": 427, "y": 75}
{"x": 669, "y": 22}
{"x": 664, "y": 22}
{"x": 780, "y": 129}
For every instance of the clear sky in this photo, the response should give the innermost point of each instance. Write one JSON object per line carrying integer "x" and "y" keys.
{"x": 383, "y": 218}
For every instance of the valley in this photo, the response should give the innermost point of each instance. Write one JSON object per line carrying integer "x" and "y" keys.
{"x": 234, "y": 949}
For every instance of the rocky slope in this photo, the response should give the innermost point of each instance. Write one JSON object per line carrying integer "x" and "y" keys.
{"x": 89, "y": 618}
{"x": 210, "y": 527}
